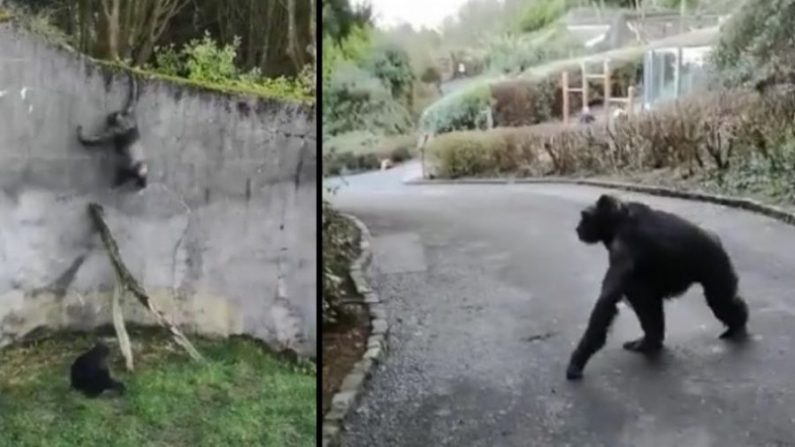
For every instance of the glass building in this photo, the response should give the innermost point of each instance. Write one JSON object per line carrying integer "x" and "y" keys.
{"x": 671, "y": 72}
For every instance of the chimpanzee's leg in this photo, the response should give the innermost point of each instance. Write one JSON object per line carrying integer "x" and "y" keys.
{"x": 649, "y": 309}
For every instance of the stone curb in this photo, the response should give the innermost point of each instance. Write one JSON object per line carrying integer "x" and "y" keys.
{"x": 353, "y": 384}
{"x": 772, "y": 211}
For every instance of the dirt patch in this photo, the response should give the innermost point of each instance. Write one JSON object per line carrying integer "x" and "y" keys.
{"x": 343, "y": 346}
{"x": 346, "y": 323}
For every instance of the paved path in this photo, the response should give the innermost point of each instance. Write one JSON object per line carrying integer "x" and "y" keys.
{"x": 488, "y": 288}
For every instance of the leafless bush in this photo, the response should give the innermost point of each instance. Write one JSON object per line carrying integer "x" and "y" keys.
{"x": 705, "y": 132}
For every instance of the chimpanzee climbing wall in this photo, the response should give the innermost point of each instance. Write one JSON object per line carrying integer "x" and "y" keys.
{"x": 232, "y": 181}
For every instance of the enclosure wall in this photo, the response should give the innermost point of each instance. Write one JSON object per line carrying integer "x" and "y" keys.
{"x": 233, "y": 180}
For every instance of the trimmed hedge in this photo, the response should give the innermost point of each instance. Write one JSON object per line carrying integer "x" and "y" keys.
{"x": 737, "y": 138}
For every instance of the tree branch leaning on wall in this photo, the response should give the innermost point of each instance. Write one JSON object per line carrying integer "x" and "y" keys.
{"x": 128, "y": 282}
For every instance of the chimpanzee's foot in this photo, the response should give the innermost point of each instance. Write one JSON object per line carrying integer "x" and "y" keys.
{"x": 573, "y": 372}
{"x": 738, "y": 333}
{"x": 643, "y": 345}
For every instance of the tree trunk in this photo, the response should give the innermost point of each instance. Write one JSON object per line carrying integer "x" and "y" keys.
{"x": 267, "y": 44}
{"x": 110, "y": 14}
{"x": 149, "y": 35}
{"x": 312, "y": 39}
{"x": 251, "y": 45}
{"x": 108, "y": 38}
{"x": 292, "y": 36}
{"x": 84, "y": 25}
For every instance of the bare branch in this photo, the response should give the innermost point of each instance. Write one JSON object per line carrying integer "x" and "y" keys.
{"x": 129, "y": 283}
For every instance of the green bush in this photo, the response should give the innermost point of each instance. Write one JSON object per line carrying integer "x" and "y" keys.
{"x": 367, "y": 162}
{"x": 203, "y": 60}
{"x": 206, "y": 61}
{"x": 463, "y": 109}
{"x": 520, "y": 102}
{"x": 400, "y": 154}
{"x": 541, "y": 13}
{"x": 340, "y": 163}
{"x": 365, "y": 86}
{"x": 354, "y": 99}
{"x": 465, "y": 154}
{"x": 358, "y": 141}
{"x": 364, "y": 150}
{"x": 756, "y": 44}
{"x": 508, "y": 53}
{"x": 354, "y": 49}
{"x": 349, "y": 162}
{"x": 519, "y": 151}
{"x": 391, "y": 64}
{"x": 431, "y": 75}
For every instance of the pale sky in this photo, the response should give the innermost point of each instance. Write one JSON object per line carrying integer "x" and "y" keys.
{"x": 419, "y": 13}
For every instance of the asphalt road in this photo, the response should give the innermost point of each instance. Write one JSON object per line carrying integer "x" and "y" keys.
{"x": 488, "y": 289}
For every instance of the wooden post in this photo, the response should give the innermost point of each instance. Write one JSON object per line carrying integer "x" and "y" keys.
{"x": 564, "y": 82}
{"x": 678, "y": 73}
{"x": 608, "y": 88}
{"x": 584, "y": 74}
{"x": 421, "y": 143}
{"x": 630, "y": 100}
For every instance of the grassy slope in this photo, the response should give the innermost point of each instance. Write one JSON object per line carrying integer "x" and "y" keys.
{"x": 243, "y": 396}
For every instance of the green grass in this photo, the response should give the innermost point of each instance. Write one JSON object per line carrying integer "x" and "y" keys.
{"x": 243, "y": 396}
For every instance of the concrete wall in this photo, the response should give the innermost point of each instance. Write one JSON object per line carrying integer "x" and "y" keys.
{"x": 226, "y": 175}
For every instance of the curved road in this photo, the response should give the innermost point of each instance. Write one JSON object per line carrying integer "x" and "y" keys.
{"x": 487, "y": 290}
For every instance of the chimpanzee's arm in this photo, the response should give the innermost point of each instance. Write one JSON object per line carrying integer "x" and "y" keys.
{"x": 95, "y": 140}
{"x": 604, "y": 311}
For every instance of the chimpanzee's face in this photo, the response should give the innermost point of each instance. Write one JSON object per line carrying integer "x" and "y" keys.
{"x": 113, "y": 118}
{"x": 588, "y": 230}
{"x": 598, "y": 221}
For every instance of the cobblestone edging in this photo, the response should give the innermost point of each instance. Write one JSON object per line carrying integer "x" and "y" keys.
{"x": 775, "y": 212}
{"x": 353, "y": 384}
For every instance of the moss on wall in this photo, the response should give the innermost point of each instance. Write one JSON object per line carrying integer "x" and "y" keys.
{"x": 263, "y": 92}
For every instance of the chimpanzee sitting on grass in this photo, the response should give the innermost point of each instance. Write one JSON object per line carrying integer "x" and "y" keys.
{"x": 90, "y": 373}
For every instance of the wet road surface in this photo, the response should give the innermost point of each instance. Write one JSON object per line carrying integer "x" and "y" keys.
{"x": 488, "y": 289}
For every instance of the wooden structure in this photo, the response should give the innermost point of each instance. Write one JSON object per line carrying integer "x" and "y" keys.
{"x": 586, "y": 76}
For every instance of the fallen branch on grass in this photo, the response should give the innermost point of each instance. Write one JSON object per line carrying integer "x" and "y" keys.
{"x": 127, "y": 282}
{"x": 118, "y": 324}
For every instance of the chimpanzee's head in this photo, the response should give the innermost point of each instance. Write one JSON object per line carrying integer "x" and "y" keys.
{"x": 599, "y": 221}
{"x": 141, "y": 170}
{"x": 101, "y": 349}
{"x": 113, "y": 118}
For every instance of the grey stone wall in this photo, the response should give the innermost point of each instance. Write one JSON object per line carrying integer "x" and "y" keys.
{"x": 232, "y": 180}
